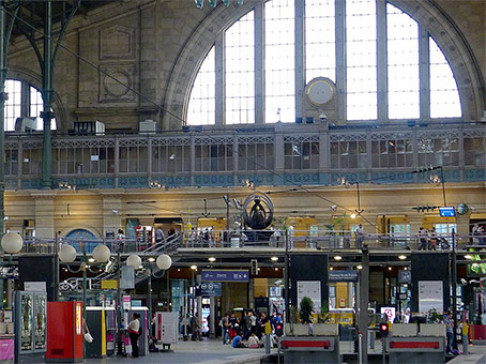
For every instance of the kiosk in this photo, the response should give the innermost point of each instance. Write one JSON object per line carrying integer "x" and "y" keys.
{"x": 64, "y": 332}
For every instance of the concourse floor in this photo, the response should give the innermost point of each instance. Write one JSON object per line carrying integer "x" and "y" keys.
{"x": 191, "y": 352}
{"x": 212, "y": 351}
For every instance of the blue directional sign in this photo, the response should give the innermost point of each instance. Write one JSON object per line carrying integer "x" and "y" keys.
{"x": 209, "y": 289}
{"x": 225, "y": 275}
{"x": 447, "y": 211}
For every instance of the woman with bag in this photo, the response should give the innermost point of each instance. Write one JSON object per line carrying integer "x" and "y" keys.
{"x": 133, "y": 330}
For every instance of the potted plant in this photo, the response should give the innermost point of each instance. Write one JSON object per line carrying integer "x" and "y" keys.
{"x": 306, "y": 308}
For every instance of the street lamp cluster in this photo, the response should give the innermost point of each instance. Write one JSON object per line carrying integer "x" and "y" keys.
{"x": 101, "y": 254}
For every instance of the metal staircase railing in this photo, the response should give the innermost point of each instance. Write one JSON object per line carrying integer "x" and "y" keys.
{"x": 167, "y": 246}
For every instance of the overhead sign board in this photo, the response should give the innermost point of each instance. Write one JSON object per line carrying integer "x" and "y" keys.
{"x": 225, "y": 275}
{"x": 343, "y": 276}
{"x": 447, "y": 211}
{"x": 211, "y": 289}
{"x": 109, "y": 284}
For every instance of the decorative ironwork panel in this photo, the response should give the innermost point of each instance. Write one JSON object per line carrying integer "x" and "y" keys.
{"x": 213, "y": 140}
{"x": 255, "y": 139}
{"x": 31, "y": 144}
{"x": 214, "y": 180}
{"x": 171, "y": 141}
{"x": 348, "y": 137}
{"x": 12, "y": 144}
{"x": 85, "y": 142}
{"x": 391, "y": 135}
{"x": 133, "y": 142}
{"x": 301, "y": 138}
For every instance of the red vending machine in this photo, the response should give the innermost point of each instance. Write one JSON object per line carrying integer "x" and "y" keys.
{"x": 64, "y": 332}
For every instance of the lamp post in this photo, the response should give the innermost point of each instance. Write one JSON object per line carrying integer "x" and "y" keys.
{"x": 163, "y": 263}
{"x": 67, "y": 254}
{"x": 454, "y": 287}
{"x": 11, "y": 244}
{"x": 227, "y": 201}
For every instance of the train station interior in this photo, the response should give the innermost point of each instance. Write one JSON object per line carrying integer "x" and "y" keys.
{"x": 243, "y": 154}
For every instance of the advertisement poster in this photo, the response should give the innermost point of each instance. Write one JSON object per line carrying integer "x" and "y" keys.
{"x": 389, "y": 312}
{"x": 430, "y": 296}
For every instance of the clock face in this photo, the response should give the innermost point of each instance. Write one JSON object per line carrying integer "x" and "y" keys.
{"x": 320, "y": 91}
{"x": 462, "y": 208}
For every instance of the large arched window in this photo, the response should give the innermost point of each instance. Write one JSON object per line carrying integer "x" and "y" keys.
{"x": 384, "y": 64}
{"x": 24, "y": 101}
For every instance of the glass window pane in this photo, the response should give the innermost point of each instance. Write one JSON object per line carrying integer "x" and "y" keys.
{"x": 444, "y": 96}
{"x": 403, "y": 65}
{"x": 201, "y": 110}
{"x": 361, "y": 60}
{"x": 320, "y": 39}
{"x": 279, "y": 61}
{"x": 13, "y": 104}
{"x": 240, "y": 71}
{"x": 36, "y": 107}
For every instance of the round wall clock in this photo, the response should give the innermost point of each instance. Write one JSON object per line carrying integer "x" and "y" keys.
{"x": 320, "y": 91}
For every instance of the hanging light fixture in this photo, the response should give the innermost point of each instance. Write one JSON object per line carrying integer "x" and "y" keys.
{"x": 213, "y": 3}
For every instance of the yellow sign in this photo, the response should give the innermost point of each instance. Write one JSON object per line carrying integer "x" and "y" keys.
{"x": 109, "y": 284}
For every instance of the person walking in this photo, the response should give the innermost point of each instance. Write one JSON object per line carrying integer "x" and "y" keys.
{"x": 134, "y": 332}
{"x": 196, "y": 329}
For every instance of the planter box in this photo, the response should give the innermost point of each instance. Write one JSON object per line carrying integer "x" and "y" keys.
{"x": 319, "y": 329}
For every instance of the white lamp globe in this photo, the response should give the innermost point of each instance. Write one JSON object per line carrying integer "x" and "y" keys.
{"x": 101, "y": 253}
{"x": 67, "y": 254}
{"x": 163, "y": 262}
{"x": 134, "y": 261}
{"x": 12, "y": 243}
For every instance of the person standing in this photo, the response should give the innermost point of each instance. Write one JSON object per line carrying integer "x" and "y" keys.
{"x": 422, "y": 238}
{"x": 134, "y": 332}
{"x": 186, "y": 327}
{"x": 159, "y": 235}
{"x": 359, "y": 236}
{"x": 225, "y": 327}
{"x": 432, "y": 239}
{"x": 449, "y": 321}
{"x": 477, "y": 233}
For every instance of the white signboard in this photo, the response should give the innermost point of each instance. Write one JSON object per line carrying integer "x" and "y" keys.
{"x": 311, "y": 289}
{"x": 167, "y": 327}
{"x": 35, "y": 286}
{"x": 430, "y": 296}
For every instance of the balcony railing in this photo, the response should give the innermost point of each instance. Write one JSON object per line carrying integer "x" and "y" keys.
{"x": 282, "y": 154}
{"x": 265, "y": 240}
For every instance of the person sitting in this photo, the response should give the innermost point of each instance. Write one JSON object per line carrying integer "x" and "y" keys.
{"x": 237, "y": 342}
{"x": 253, "y": 342}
